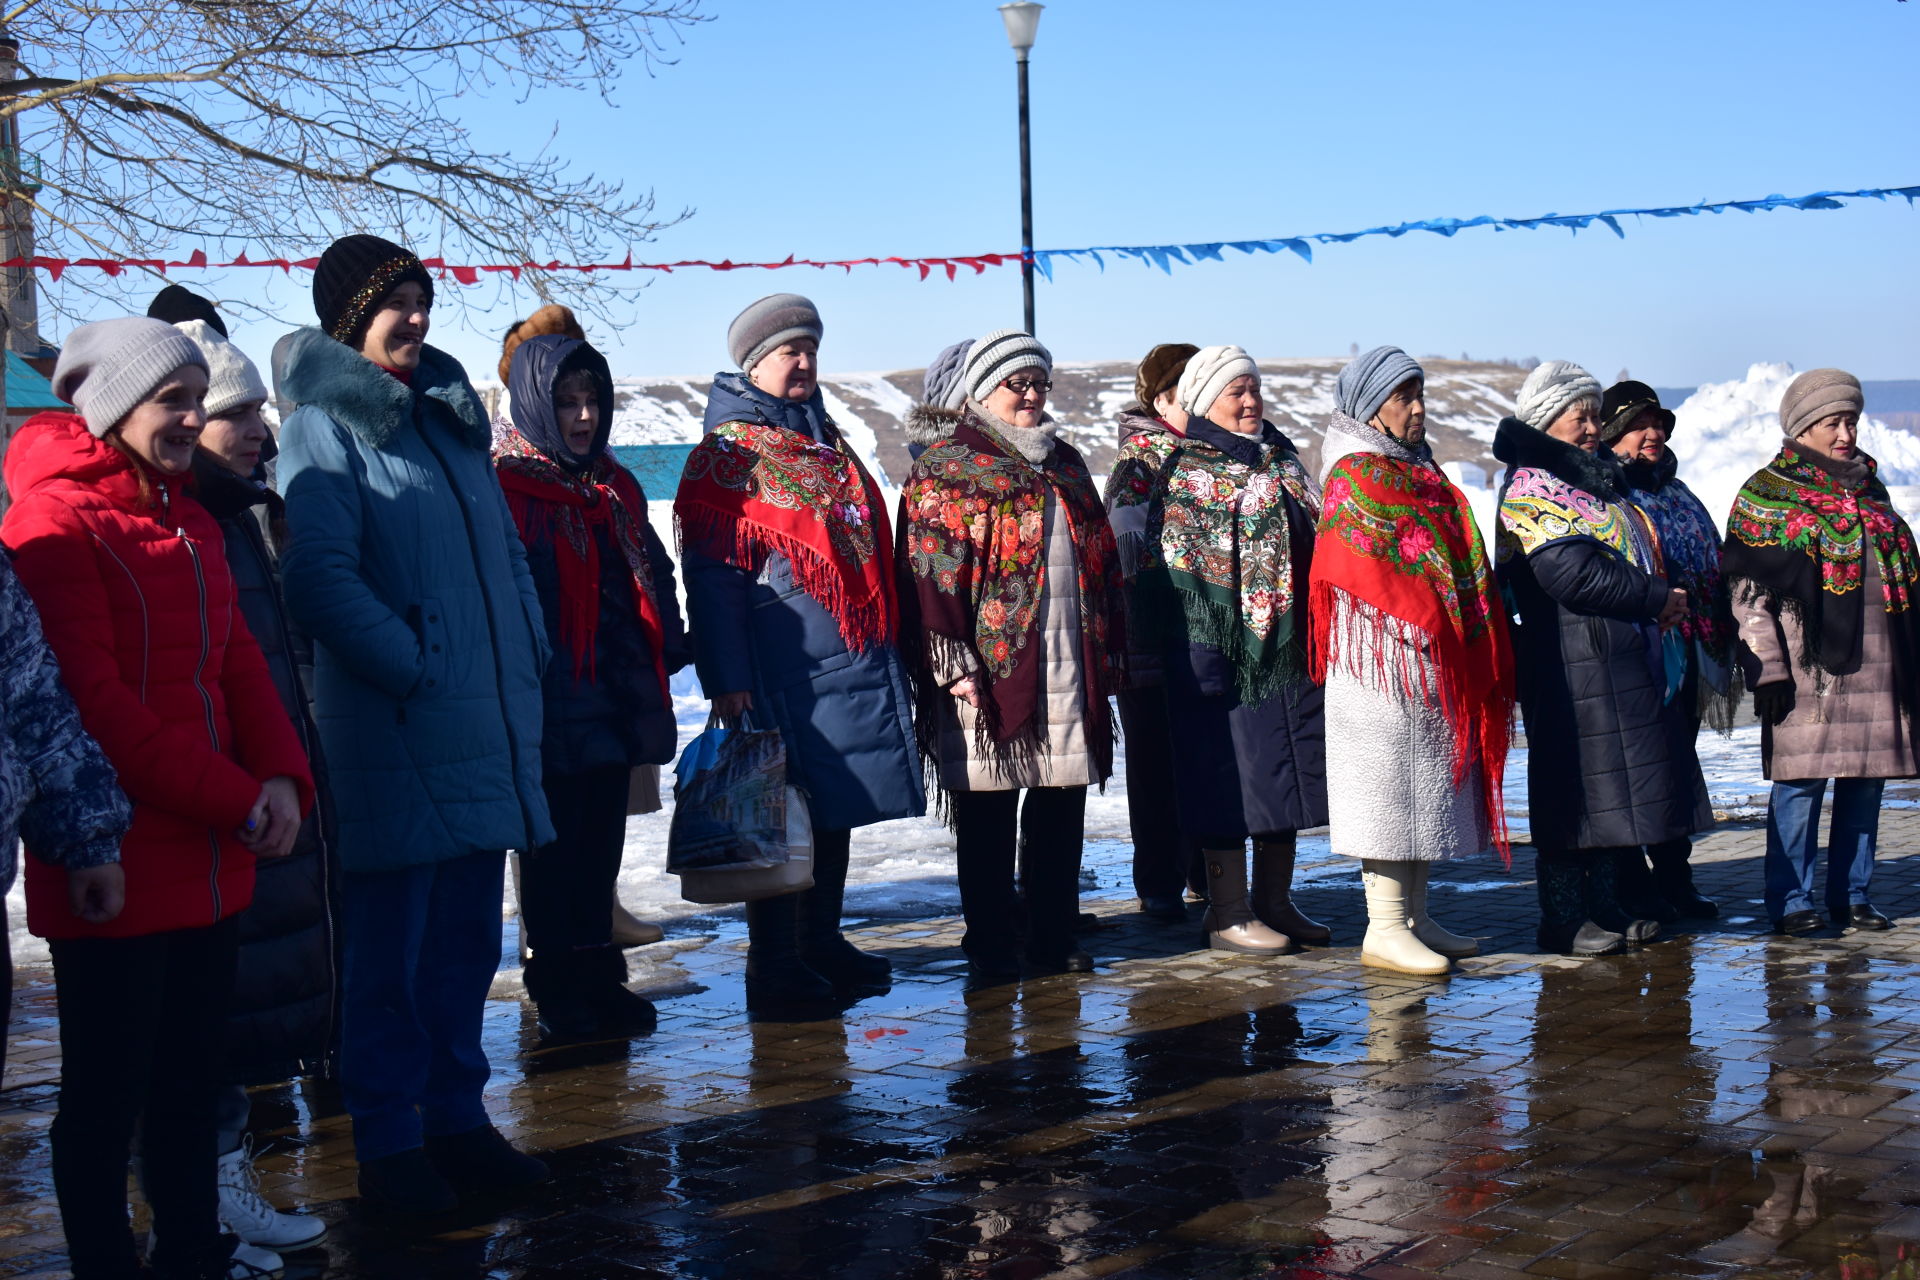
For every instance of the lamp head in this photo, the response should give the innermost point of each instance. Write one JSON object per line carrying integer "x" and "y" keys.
{"x": 1023, "y": 21}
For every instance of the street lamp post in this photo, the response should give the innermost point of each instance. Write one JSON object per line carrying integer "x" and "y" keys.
{"x": 1023, "y": 21}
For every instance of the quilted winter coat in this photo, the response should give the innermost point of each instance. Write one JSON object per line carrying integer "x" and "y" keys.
{"x": 281, "y": 1019}
{"x": 140, "y": 608}
{"x": 405, "y": 568}
{"x": 57, "y": 791}
{"x": 1581, "y": 566}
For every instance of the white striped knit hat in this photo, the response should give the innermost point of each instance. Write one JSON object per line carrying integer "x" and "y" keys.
{"x": 997, "y": 356}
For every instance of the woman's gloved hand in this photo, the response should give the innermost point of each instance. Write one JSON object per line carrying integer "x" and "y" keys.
{"x": 1773, "y": 702}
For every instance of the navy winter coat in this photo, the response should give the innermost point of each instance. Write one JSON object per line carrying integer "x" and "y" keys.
{"x": 614, "y": 713}
{"x": 846, "y": 718}
{"x": 57, "y": 791}
{"x": 281, "y": 1019}
{"x": 1602, "y": 769}
{"x": 406, "y": 570}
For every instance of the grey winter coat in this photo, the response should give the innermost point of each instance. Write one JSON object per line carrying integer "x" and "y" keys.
{"x": 405, "y": 568}
{"x": 1601, "y": 771}
{"x": 281, "y": 1018}
{"x": 57, "y": 791}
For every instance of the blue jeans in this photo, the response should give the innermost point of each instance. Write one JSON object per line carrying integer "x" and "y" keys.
{"x": 1793, "y": 843}
{"x": 421, "y": 947}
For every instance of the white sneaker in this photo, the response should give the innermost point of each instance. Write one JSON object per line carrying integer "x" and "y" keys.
{"x": 249, "y": 1262}
{"x": 246, "y": 1213}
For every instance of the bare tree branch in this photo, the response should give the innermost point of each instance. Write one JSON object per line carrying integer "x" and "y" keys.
{"x": 322, "y": 117}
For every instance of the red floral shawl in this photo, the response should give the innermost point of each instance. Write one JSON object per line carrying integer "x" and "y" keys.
{"x": 1399, "y": 539}
{"x": 973, "y": 564}
{"x": 751, "y": 490}
{"x": 560, "y": 508}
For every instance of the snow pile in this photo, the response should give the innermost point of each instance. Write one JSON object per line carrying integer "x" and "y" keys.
{"x": 1728, "y": 430}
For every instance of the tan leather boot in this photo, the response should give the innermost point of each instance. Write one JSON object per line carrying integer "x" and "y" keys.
{"x": 1230, "y": 922}
{"x": 629, "y": 932}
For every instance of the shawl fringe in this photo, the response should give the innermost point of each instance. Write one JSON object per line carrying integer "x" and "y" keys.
{"x": 723, "y": 535}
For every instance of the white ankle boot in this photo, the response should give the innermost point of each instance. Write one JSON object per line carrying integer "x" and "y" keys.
{"x": 1425, "y": 928}
{"x": 1231, "y": 924}
{"x": 1389, "y": 943}
{"x": 246, "y": 1213}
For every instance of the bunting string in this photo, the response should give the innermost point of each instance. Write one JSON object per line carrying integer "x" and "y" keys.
{"x": 1163, "y": 256}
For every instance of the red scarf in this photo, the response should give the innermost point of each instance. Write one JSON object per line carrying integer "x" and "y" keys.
{"x": 564, "y": 509}
{"x": 1400, "y": 540}
{"x": 752, "y": 490}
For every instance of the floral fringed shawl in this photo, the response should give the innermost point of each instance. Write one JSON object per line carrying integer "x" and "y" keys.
{"x": 1399, "y": 540}
{"x": 1801, "y": 531}
{"x": 1227, "y": 545}
{"x": 973, "y": 564}
{"x": 1691, "y": 545}
{"x": 750, "y": 490}
{"x": 562, "y": 508}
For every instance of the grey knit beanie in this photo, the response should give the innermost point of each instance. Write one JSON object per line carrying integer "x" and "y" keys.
{"x": 1817, "y": 394}
{"x": 107, "y": 368}
{"x": 944, "y": 388}
{"x": 1207, "y": 375}
{"x": 1367, "y": 381}
{"x": 997, "y": 356}
{"x": 764, "y": 325}
{"x": 1550, "y": 389}
{"x": 232, "y": 380}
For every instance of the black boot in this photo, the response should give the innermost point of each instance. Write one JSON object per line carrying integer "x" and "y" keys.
{"x": 556, "y": 984}
{"x": 1673, "y": 873}
{"x": 1564, "y": 927}
{"x": 1603, "y": 897}
{"x": 483, "y": 1160}
{"x": 1640, "y": 898}
{"x": 779, "y": 982}
{"x": 620, "y": 1011}
{"x": 407, "y": 1182}
{"x": 854, "y": 973}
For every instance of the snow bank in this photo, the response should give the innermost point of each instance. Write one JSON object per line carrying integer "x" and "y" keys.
{"x": 1726, "y": 431}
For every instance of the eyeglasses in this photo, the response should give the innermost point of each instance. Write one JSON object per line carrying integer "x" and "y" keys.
{"x": 1020, "y": 386}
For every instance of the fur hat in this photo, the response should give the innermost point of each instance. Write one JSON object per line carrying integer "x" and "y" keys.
{"x": 552, "y": 318}
{"x": 1550, "y": 389}
{"x": 1160, "y": 372}
{"x": 354, "y": 277}
{"x": 108, "y": 368}
{"x": 1208, "y": 373}
{"x": 1817, "y": 394}
{"x": 1622, "y": 406}
{"x": 769, "y": 322}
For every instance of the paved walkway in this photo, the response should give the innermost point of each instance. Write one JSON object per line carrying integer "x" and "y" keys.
{"x": 1720, "y": 1104}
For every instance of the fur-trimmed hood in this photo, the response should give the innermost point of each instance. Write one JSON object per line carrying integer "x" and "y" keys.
{"x": 1599, "y": 473}
{"x": 929, "y": 424}
{"x": 369, "y": 401}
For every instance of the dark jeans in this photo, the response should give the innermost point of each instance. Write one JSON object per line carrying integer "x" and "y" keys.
{"x": 422, "y": 945}
{"x": 995, "y": 833}
{"x": 1164, "y": 861}
{"x": 140, "y": 1031}
{"x": 567, "y": 887}
{"x": 1793, "y": 843}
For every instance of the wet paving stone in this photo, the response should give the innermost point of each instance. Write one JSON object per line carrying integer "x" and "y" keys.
{"x": 1719, "y": 1104}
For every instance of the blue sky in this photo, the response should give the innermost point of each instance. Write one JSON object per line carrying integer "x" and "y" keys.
{"x": 838, "y": 130}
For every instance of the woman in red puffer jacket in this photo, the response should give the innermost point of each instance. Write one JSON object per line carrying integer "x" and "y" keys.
{"x": 132, "y": 585}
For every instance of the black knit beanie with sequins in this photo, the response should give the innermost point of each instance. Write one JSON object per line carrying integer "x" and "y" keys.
{"x": 354, "y": 277}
